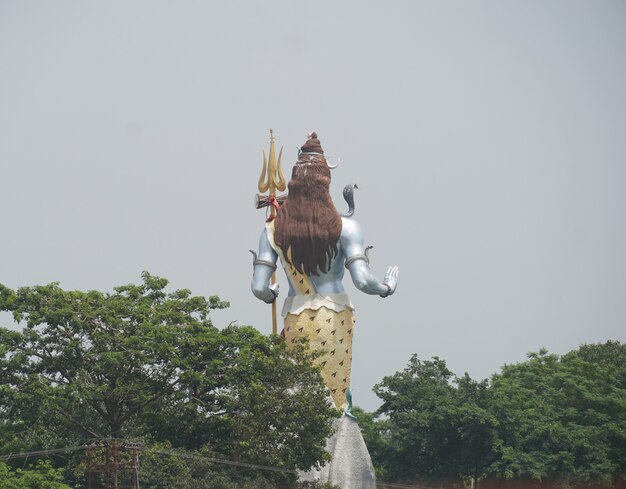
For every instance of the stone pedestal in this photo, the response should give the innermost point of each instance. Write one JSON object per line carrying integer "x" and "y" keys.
{"x": 350, "y": 466}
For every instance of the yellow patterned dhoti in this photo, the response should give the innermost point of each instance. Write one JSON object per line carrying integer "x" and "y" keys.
{"x": 328, "y": 322}
{"x": 330, "y": 332}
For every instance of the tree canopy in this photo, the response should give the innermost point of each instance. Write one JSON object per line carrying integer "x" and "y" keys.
{"x": 40, "y": 476}
{"x": 548, "y": 419}
{"x": 142, "y": 362}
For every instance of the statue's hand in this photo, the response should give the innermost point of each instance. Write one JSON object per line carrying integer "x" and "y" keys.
{"x": 274, "y": 290}
{"x": 391, "y": 280}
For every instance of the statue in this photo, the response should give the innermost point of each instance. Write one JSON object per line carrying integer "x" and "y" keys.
{"x": 315, "y": 245}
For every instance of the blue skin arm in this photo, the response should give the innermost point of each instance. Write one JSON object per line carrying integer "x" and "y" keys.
{"x": 260, "y": 286}
{"x": 352, "y": 243}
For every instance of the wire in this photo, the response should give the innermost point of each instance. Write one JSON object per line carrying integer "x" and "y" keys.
{"x": 42, "y": 452}
{"x": 223, "y": 461}
{"x": 381, "y": 484}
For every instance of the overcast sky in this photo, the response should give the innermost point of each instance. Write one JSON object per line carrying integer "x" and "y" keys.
{"x": 488, "y": 139}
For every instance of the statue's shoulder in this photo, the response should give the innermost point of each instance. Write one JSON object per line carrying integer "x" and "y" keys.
{"x": 350, "y": 230}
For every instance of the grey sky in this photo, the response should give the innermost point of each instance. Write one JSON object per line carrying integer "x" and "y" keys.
{"x": 488, "y": 139}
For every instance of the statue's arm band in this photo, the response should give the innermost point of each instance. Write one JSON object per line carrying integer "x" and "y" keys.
{"x": 264, "y": 262}
{"x": 354, "y": 258}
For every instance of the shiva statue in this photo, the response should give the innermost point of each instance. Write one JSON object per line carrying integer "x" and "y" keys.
{"x": 315, "y": 245}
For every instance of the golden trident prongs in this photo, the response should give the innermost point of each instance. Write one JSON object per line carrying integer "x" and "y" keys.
{"x": 275, "y": 178}
{"x": 272, "y": 179}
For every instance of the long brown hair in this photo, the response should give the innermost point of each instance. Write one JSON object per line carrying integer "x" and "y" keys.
{"x": 308, "y": 225}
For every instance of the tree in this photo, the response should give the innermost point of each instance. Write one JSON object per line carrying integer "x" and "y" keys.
{"x": 562, "y": 418}
{"x": 41, "y": 476}
{"x": 610, "y": 356}
{"x": 269, "y": 405}
{"x": 94, "y": 361}
{"x": 435, "y": 430}
{"x": 140, "y": 362}
{"x": 549, "y": 419}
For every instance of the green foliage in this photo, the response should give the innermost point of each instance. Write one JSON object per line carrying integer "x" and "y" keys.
{"x": 41, "y": 476}
{"x": 259, "y": 402}
{"x": 561, "y": 418}
{"x": 610, "y": 356}
{"x": 550, "y": 418}
{"x": 164, "y": 467}
{"x": 434, "y": 430}
{"x": 92, "y": 362}
{"x": 144, "y": 363}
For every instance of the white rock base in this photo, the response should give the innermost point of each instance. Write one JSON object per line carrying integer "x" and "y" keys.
{"x": 351, "y": 465}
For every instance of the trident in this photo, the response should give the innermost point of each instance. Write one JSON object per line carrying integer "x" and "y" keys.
{"x": 271, "y": 179}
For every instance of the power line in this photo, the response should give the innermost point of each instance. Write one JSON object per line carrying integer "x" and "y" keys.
{"x": 161, "y": 452}
{"x": 394, "y": 485}
{"x": 195, "y": 456}
{"x": 223, "y": 461}
{"x": 52, "y": 451}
